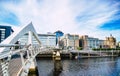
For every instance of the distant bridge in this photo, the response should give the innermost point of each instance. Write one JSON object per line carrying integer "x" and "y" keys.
{"x": 90, "y": 53}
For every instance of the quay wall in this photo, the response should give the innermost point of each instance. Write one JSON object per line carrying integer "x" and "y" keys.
{"x": 71, "y": 55}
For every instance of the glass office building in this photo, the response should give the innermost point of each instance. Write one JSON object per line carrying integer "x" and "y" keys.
{"x": 58, "y": 35}
{"x": 5, "y": 31}
{"x": 47, "y": 40}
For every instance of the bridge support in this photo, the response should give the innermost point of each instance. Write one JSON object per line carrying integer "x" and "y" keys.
{"x": 33, "y": 68}
{"x": 56, "y": 54}
{"x": 57, "y": 57}
{"x": 57, "y": 62}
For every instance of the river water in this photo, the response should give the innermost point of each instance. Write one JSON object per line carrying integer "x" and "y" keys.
{"x": 80, "y": 67}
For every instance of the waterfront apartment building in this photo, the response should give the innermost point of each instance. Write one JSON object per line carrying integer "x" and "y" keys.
{"x": 47, "y": 40}
{"x": 5, "y": 31}
{"x": 110, "y": 42}
{"x": 87, "y": 42}
{"x": 70, "y": 41}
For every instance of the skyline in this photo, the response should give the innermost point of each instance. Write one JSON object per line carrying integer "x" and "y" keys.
{"x": 96, "y": 18}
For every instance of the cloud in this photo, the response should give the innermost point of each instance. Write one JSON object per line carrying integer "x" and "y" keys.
{"x": 93, "y": 15}
{"x": 7, "y": 17}
{"x": 70, "y": 16}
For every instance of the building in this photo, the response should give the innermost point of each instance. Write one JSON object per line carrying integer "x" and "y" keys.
{"x": 110, "y": 42}
{"x": 118, "y": 45}
{"x": 70, "y": 41}
{"x": 5, "y": 31}
{"x": 47, "y": 40}
{"x": 58, "y": 35}
{"x": 87, "y": 42}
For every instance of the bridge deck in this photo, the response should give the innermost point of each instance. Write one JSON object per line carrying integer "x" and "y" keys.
{"x": 14, "y": 67}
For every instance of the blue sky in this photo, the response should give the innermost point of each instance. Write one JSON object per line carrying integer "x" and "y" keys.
{"x": 96, "y": 18}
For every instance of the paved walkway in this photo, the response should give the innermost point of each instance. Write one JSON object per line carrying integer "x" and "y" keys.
{"x": 14, "y": 67}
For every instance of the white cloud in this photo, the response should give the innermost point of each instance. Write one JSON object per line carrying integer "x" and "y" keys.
{"x": 52, "y": 15}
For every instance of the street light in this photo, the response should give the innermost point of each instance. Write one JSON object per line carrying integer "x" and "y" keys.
{"x": 74, "y": 42}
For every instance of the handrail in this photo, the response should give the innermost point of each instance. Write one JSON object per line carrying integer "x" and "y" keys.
{"x": 9, "y": 45}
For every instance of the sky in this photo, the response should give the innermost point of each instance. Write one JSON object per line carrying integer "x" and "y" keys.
{"x": 96, "y": 18}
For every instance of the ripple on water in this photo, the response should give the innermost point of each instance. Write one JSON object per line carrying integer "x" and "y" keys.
{"x": 82, "y": 67}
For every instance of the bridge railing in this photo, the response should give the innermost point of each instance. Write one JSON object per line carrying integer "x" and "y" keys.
{"x": 26, "y": 53}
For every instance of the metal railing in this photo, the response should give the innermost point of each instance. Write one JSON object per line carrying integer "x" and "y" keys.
{"x": 25, "y": 53}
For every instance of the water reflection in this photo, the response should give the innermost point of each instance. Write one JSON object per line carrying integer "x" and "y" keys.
{"x": 81, "y": 67}
{"x": 57, "y": 68}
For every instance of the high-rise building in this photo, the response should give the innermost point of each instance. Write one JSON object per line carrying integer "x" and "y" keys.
{"x": 5, "y": 31}
{"x": 58, "y": 35}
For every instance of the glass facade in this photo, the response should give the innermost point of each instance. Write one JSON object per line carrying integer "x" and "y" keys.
{"x": 58, "y": 35}
{"x": 5, "y": 31}
{"x": 47, "y": 40}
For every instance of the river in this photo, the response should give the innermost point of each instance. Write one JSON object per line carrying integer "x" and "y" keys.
{"x": 80, "y": 67}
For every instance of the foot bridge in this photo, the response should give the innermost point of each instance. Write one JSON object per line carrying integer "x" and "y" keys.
{"x": 17, "y": 59}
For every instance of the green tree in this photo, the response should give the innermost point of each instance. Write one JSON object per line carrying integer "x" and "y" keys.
{"x": 79, "y": 48}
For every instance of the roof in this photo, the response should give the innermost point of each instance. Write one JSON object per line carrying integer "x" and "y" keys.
{"x": 59, "y": 31}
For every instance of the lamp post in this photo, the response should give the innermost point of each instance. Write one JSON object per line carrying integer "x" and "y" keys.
{"x": 74, "y": 42}
{"x": 66, "y": 43}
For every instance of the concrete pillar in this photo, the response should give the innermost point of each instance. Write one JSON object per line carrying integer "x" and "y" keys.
{"x": 33, "y": 68}
{"x": 53, "y": 55}
{"x": 57, "y": 63}
{"x": 57, "y": 57}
